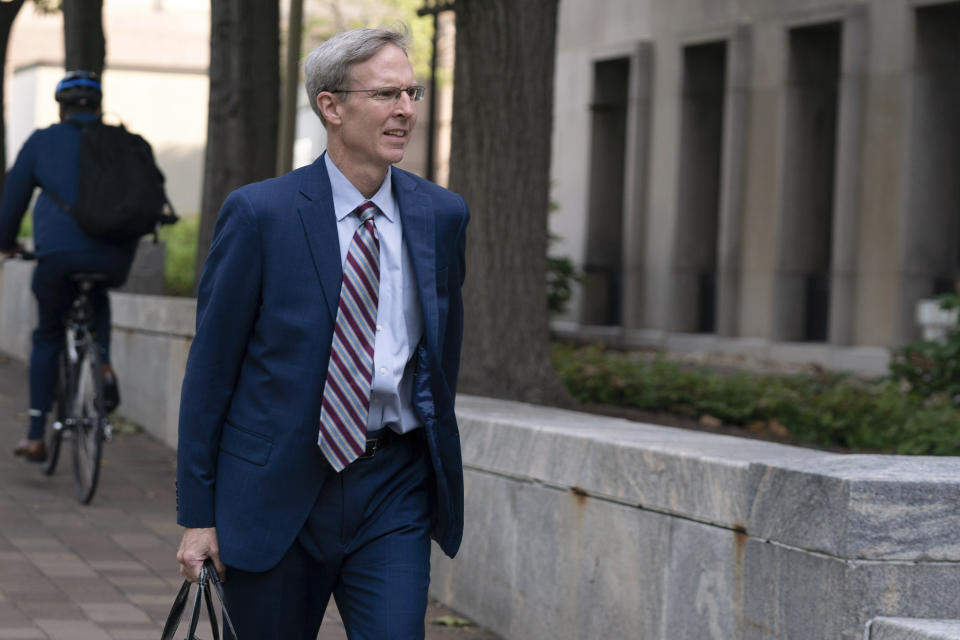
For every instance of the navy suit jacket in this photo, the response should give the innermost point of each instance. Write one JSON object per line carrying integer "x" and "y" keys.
{"x": 248, "y": 461}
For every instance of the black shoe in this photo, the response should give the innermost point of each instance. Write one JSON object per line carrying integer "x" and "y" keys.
{"x": 111, "y": 391}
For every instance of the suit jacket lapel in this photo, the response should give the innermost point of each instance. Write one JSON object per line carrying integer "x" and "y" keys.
{"x": 320, "y": 225}
{"x": 418, "y": 222}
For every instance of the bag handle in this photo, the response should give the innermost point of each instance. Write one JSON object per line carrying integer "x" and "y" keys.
{"x": 208, "y": 577}
{"x": 195, "y": 610}
{"x": 176, "y": 612}
{"x": 218, "y": 587}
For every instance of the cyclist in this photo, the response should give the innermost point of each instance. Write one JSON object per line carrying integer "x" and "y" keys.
{"x": 49, "y": 160}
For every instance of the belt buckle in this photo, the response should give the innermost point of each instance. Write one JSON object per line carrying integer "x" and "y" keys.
{"x": 372, "y": 445}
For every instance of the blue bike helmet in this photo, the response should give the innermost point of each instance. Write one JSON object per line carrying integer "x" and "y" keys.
{"x": 80, "y": 89}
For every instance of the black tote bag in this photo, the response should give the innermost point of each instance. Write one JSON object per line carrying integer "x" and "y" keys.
{"x": 208, "y": 580}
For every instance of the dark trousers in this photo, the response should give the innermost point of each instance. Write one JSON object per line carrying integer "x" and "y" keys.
{"x": 366, "y": 541}
{"x": 55, "y": 293}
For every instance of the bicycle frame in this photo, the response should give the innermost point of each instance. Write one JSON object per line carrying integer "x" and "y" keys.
{"x": 80, "y": 401}
{"x": 77, "y": 339}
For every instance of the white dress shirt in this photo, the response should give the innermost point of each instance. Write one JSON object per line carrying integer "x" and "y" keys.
{"x": 399, "y": 317}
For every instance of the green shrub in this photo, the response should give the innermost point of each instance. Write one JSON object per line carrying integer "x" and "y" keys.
{"x": 561, "y": 274}
{"x": 826, "y": 409}
{"x": 181, "y": 244}
{"x": 26, "y": 226}
{"x": 932, "y": 430}
{"x": 929, "y": 367}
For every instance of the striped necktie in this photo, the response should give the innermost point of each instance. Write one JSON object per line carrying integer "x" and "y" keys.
{"x": 346, "y": 393}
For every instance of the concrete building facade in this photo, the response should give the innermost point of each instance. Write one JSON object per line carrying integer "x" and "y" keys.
{"x": 155, "y": 82}
{"x": 754, "y": 169}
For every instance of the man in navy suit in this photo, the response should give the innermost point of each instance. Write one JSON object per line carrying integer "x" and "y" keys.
{"x": 283, "y": 519}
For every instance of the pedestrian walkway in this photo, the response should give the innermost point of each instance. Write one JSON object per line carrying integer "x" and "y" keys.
{"x": 107, "y": 571}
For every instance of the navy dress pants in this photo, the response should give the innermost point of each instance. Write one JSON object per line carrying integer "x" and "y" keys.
{"x": 366, "y": 542}
{"x": 55, "y": 292}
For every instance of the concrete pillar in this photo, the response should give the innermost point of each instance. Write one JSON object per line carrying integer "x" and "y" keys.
{"x": 849, "y": 166}
{"x": 662, "y": 187}
{"x": 637, "y": 177}
{"x": 929, "y": 237}
{"x": 733, "y": 180}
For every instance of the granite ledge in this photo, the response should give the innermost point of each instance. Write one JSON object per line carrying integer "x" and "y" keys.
{"x": 156, "y": 314}
{"x": 912, "y": 629}
{"x": 863, "y": 507}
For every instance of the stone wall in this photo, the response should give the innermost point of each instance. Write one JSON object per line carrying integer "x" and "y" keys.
{"x": 579, "y": 526}
{"x": 18, "y": 312}
{"x": 587, "y": 527}
{"x": 909, "y": 629}
{"x": 150, "y": 343}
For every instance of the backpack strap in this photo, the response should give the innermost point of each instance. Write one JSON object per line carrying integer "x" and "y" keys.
{"x": 79, "y": 126}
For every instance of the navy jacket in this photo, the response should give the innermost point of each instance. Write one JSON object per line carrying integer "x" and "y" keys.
{"x": 248, "y": 461}
{"x": 49, "y": 160}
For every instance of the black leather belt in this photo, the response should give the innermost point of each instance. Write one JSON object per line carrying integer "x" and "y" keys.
{"x": 376, "y": 441}
{"x": 382, "y": 438}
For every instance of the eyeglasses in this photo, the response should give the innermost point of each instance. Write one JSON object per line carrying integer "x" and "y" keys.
{"x": 389, "y": 94}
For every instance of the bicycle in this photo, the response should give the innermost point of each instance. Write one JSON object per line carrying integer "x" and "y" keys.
{"x": 78, "y": 412}
{"x": 79, "y": 406}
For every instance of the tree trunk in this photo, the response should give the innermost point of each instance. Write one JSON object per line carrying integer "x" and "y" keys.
{"x": 500, "y": 163}
{"x": 244, "y": 105}
{"x": 291, "y": 83}
{"x": 8, "y": 13}
{"x": 83, "y": 41}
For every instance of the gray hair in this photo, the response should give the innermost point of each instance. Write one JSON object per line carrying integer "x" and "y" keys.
{"x": 327, "y": 66}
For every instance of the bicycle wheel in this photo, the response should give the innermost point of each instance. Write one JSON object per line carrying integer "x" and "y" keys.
{"x": 54, "y": 433}
{"x": 89, "y": 422}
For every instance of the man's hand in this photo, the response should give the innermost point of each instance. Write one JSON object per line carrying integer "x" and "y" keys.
{"x": 196, "y": 546}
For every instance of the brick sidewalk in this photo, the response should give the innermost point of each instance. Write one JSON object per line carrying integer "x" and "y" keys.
{"x": 107, "y": 571}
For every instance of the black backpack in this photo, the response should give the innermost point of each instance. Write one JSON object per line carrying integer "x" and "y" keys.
{"x": 120, "y": 194}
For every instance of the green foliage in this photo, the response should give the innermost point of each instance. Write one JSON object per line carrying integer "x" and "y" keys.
{"x": 825, "y": 409}
{"x": 181, "y": 241}
{"x": 47, "y": 6}
{"x": 375, "y": 13}
{"x": 451, "y": 621}
{"x": 561, "y": 274}
{"x": 928, "y": 367}
{"x": 421, "y": 33}
{"x": 26, "y": 226}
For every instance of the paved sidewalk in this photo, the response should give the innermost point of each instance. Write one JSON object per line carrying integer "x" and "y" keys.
{"x": 107, "y": 571}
